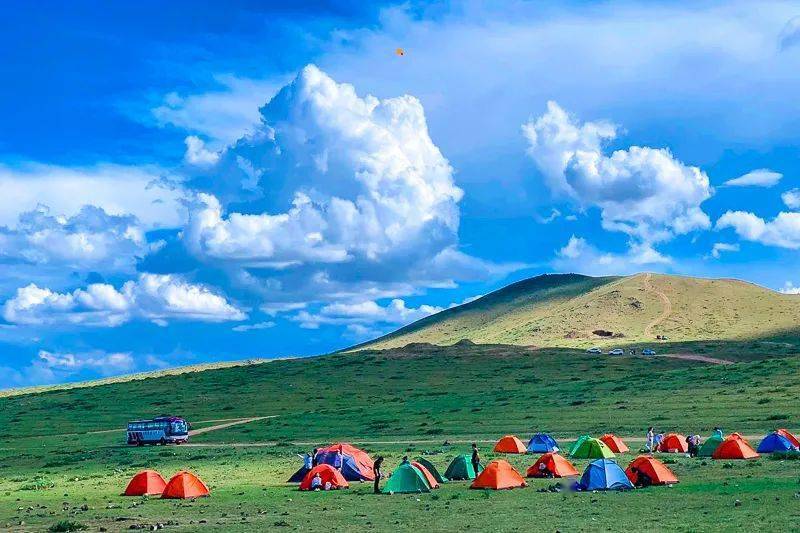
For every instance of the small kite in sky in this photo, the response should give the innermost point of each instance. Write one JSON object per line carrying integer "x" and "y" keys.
{"x": 400, "y": 52}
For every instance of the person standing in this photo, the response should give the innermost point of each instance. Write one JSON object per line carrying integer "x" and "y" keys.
{"x": 314, "y": 458}
{"x": 476, "y": 459}
{"x": 651, "y": 435}
{"x": 376, "y": 471}
{"x": 718, "y": 432}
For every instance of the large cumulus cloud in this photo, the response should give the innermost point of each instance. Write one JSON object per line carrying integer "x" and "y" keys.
{"x": 644, "y": 192}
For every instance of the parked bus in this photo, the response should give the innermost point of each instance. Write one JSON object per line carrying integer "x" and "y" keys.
{"x": 160, "y": 430}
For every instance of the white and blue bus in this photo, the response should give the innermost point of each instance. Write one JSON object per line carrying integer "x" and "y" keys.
{"x": 160, "y": 430}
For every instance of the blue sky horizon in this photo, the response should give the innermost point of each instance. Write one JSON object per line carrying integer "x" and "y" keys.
{"x": 185, "y": 184}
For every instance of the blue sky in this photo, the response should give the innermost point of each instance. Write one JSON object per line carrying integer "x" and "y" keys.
{"x": 188, "y": 183}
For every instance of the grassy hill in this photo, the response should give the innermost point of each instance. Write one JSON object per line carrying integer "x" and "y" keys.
{"x": 567, "y": 309}
{"x": 403, "y": 401}
{"x": 63, "y": 461}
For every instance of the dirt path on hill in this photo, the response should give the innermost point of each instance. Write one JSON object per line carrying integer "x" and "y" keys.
{"x": 702, "y": 358}
{"x": 240, "y": 421}
{"x": 648, "y": 330}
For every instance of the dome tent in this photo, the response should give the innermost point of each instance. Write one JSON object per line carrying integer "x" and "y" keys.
{"x": 603, "y": 474}
{"x": 327, "y": 474}
{"x": 735, "y": 447}
{"x": 614, "y": 443}
{"x": 432, "y": 469}
{"x": 509, "y": 444}
{"x": 646, "y": 465}
{"x": 406, "y": 479}
{"x": 591, "y": 449}
{"x": 353, "y": 463}
{"x": 674, "y": 443}
{"x": 709, "y": 446}
{"x": 552, "y": 465}
{"x": 145, "y": 483}
{"x": 460, "y": 469}
{"x": 498, "y": 475}
{"x": 185, "y": 485}
{"x": 542, "y": 443}
{"x": 775, "y": 442}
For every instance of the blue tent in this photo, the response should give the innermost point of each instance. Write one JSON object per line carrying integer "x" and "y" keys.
{"x": 604, "y": 474}
{"x": 542, "y": 443}
{"x": 775, "y": 442}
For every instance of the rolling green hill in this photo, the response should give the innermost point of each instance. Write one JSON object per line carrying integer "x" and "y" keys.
{"x": 569, "y": 310}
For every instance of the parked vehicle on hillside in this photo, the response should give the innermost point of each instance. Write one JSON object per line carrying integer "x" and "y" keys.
{"x": 617, "y": 351}
{"x": 648, "y": 351}
{"x": 160, "y": 430}
{"x": 594, "y": 350}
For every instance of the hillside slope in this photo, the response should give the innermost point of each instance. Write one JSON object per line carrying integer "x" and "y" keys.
{"x": 568, "y": 309}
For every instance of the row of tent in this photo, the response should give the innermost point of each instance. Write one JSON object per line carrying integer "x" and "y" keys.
{"x": 600, "y": 474}
{"x": 585, "y": 447}
{"x": 182, "y": 485}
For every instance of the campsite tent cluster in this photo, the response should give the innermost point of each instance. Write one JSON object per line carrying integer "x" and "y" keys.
{"x": 182, "y": 485}
{"x": 339, "y": 463}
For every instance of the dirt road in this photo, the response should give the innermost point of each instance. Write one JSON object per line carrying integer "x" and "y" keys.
{"x": 665, "y": 312}
{"x": 702, "y": 358}
{"x": 236, "y": 422}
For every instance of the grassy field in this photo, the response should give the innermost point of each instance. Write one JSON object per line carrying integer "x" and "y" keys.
{"x": 396, "y": 402}
{"x": 565, "y": 309}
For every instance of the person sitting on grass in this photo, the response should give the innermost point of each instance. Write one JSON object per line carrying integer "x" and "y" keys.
{"x": 657, "y": 441}
{"x": 316, "y": 482}
{"x": 642, "y": 479}
{"x": 543, "y": 470}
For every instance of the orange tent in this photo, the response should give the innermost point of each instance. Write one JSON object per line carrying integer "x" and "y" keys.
{"x": 185, "y": 485}
{"x": 327, "y": 474}
{"x": 510, "y": 444}
{"x": 674, "y": 443}
{"x": 789, "y": 435}
{"x": 658, "y": 473}
{"x": 551, "y": 465}
{"x": 427, "y": 473}
{"x": 498, "y": 475}
{"x": 616, "y": 444}
{"x": 145, "y": 483}
{"x": 734, "y": 447}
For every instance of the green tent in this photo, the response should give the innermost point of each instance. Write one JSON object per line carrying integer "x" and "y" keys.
{"x": 405, "y": 479}
{"x": 461, "y": 469}
{"x": 708, "y": 448}
{"x": 432, "y": 469}
{"x": 577, "y": 444}
{"x": 592, "y": 449}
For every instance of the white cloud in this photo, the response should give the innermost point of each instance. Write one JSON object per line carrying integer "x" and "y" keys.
{"x": 643, "y": 192}
{"x": 762, "y": 177}
{"x": 368, "y": 181}
{"x": 90, "y": 239}
{"x": 791, "y": 198}
{"x": 157, "y": 298}
{"x": 197, "y": 153}
{"x": 105, "y": 364}
{"x": 789, "y": 288}
{"x": 580, "y": 256}
{"x": 365, "y": 313}
{"x": 242, "y": 328}
{"x": 554, "y": 214}
{"x": 782, "y": 231}
{"x": 720, "y": 247}
{"x": 223, "y": 115}
{"x": 118, "y": 190}
{"x": 790, "y": 35}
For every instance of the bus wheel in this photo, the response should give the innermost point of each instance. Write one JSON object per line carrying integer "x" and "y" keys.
{"x": 139, "y": 443}
{"x": 162, "y": 441}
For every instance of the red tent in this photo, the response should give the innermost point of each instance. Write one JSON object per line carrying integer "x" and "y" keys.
{"x": 327, "y": 474}
{"x": 654, "y": 469}
{"x": 554, "y": 466}
{"x": 674, "y": 443}
{"x": 510, "y": 444}
{"x": 427, "y": 473}
{"x": 145, "y": 483}
{"x": 498, "y": 475}
{"x": 616, "y": 444}
{"x": 734, "y": 447}
{"x": 789, "y": 435}
{"x": 185, "y": 485}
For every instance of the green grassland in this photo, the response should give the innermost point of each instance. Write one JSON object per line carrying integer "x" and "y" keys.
{"x": 565, "y": 309}
{"x": 406, "y": 400}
